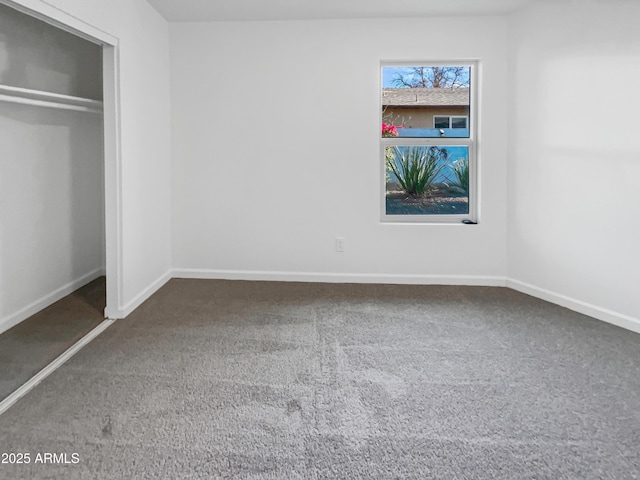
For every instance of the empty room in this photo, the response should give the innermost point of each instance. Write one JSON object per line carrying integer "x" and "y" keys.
{"x": 337, "y": 239}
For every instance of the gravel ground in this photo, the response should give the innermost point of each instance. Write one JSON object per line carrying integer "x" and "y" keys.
{"x": 399, "y": 203}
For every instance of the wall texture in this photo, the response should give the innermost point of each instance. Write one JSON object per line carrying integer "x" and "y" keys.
{"x": 420, "y": 117}
{"x": 275, "y": 151}
{"x": 574, "y": 161}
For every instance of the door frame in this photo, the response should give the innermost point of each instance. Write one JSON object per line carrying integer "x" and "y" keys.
{"x": 111, "y": 135}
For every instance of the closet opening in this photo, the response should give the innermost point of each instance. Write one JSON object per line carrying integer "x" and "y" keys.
{"x": 59, "y": 188}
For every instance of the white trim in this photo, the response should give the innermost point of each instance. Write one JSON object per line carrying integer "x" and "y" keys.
{"x": 48, "y": 299}
{"x": 430, "y": 141}
{"x": 113, "y": 180}
{"x": 604, "y": 314}
{"x": 139, "y": 299}
{"x": 471, "y": 142}
{"x": 52, "y": 15}
{"x": 57, "y": 17}
{"x": 386, "y": 278}
{"x": 599, "y": 313}
{"x": 52, "y": 367}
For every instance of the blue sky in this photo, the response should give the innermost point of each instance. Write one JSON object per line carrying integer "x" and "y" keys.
{"x": 389, "y": 73}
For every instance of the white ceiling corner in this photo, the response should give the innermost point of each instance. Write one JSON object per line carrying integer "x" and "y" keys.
{"x": 246, "y": 10}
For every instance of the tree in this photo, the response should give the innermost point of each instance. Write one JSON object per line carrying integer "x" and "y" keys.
{"x": 433, "y": 77}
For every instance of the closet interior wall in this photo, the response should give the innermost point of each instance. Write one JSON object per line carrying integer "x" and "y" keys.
{"x": 51, "y": 165}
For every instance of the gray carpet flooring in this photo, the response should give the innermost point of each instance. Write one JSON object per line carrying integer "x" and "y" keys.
{"x": 268, "y": 380}
{"x": 34, "y": 343}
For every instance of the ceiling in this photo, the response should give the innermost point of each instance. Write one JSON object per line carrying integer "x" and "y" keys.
{"x": 238, "y": 10}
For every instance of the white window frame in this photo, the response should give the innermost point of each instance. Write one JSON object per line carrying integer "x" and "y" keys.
{"x": 471, "y": 143}
{"x": 450, "y": 117}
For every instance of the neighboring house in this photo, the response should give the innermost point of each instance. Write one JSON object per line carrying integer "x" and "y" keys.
{"x": 426, "y": 107}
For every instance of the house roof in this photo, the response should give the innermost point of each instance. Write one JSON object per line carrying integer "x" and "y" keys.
{"x": 425, "y": 96}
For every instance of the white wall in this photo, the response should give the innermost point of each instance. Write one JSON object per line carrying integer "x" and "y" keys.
{"x": 145, "y": 137}
{"x": 51, "y": 169}
{"x": 266, "y": 198}
{"x": 574, "y": 161}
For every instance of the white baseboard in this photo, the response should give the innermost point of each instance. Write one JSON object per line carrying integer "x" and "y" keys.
{"x": 49, "y": 299}
{"x": 475, "y": 280}
{"x": 122, "y": 312}
{"x": 606, "y": 315}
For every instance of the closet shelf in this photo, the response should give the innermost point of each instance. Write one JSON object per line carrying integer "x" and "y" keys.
{"x": 40, "y": 98}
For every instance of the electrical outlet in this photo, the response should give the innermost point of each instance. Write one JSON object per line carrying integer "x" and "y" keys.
{"x": 339, "y": 244}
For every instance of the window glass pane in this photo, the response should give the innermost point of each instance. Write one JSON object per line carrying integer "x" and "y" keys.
{"x": 441, "y": 122}
{"x": 427, "y": 180}
{"x": 459, "y": 122}
{"x": 413, "y": 97}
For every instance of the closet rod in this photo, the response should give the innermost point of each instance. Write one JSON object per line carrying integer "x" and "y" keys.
{"x": 39, "y": 98}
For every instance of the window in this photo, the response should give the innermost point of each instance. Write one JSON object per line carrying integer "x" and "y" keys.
{"x": 450, "y": 122}
{"x": 428, "y": 142}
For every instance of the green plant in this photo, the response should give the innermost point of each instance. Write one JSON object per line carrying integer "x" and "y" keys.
{"x": 389, "y": 130}
{"x": 416, "y": 167}
{"x": 461, "y": 170}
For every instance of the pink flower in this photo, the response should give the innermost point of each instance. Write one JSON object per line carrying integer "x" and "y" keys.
{"x": 389, "y": 130}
